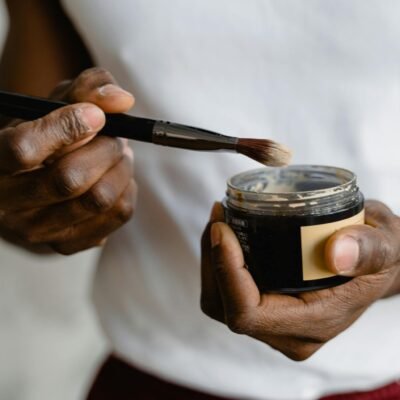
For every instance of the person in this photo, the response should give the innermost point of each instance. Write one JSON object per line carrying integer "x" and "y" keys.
{"x": 320, "y": 77}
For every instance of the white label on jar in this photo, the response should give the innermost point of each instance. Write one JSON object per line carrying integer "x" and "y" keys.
{"x": 313, "y": 239}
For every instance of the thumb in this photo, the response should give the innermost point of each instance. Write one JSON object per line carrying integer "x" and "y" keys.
{"x": 360, "y": 250}
{"x": 31, "y": 143}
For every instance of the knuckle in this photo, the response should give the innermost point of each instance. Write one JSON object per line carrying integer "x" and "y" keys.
{"x": 21, "y": 148}
{"x": 221, "y": 260}
{"x": 376, "y": 206}
{"x": 95, "y": 77}
{"x": 129, "y": 155}
{"x": 100, "y": 198}
{"x": 26, "y": 230}
{"x": 60, "y": 89}
{"x": 378, "y": 250}
{"x": 219, "y": 269}
{"x": 62, "y": 249}
{"x": 385, "y": 250}
{"x": 68, "y": 181}
{"x": 89, "y": 72}
{"x": 27, "y": 236}
{"x": 222, "y": 273}
{"x": 300, "y": 352}
{"x": 379, "y": 214}
{"x": 125, "y": 210}
{"x": 31, "y": 237}
{"x": 128, "y": 199}
{"x": 113, "y": 145}
{"x": 239, "y": 324}
{"x": 63, "y": 84}
{"x": 70, "y": 126}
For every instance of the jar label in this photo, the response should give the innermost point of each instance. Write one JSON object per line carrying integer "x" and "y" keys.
{"x": 313, "y": 239}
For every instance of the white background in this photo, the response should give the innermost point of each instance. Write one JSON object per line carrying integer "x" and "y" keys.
{"x": 50, "y": 343}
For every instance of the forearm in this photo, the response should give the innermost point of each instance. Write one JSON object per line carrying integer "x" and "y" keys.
{"x": 42, "y": 48}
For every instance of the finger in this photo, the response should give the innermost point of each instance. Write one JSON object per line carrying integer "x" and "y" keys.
{"x": 61, "y": 90}
{"x": 29, "y": 144}
{"x": 92, "y": 232}
{"x": 98, "y": 86}
{"x": 361, "y": 250}
{"x": 245, "y": 311}
{"x": 68, "y": 178}
{"x": 238, "y": 290}
{"x": 210, "y": 299}
{"x": 103, "y": 195}
{"x": 42, "y": 226}
{"x": 65, "y": 91}
{"x": 127, "y": 150}
{"x": 379, "y": 215}
{"x": 217, "y": 213}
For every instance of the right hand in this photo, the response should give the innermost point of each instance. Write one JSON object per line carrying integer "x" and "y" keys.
{"x": 62, "y": 186}
{"x": 299, "y": 325}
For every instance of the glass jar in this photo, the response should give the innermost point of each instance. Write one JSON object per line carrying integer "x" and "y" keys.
{"x": 283, "y": 218}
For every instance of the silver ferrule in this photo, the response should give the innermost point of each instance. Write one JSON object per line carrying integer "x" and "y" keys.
{"x": 187, "y": 137}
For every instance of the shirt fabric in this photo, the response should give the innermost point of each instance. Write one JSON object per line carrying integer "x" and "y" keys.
{"x": 319, "y": 76}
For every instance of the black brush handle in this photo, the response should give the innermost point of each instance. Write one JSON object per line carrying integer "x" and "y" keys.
{"x": 29, "y": 108}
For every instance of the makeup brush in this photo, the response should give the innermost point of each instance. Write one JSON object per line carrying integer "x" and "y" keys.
{"x": 163, "y": 133}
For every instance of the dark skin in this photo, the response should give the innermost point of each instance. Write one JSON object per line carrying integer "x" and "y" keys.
{"x": 299, "y": 325}
{"x": 40, "y": 35}
{"x": 63, "y": 187}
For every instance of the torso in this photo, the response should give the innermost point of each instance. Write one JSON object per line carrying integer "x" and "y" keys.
{"x": 321, "y": 79}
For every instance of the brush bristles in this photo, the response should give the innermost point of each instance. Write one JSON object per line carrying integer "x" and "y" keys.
{"x": 265, "y": 151}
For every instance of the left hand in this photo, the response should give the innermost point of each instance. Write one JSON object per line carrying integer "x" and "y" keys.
{"x": 299, "y": 325}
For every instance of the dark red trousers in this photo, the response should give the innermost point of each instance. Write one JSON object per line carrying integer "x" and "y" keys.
{"x": 119, "y": 381}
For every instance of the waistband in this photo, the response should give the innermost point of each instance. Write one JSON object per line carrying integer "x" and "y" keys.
{"x": 118, "y": 380}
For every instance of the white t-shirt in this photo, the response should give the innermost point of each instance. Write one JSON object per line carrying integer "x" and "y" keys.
{"x": 320, "y": 76}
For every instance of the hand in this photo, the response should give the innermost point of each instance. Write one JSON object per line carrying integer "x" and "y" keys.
{"x": 60, "y": 184}
{"x": 299, "y": 325}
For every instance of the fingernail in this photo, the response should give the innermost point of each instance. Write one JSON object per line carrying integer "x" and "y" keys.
{"x": 215, "y": 235}
{"x": 346, "y": 254}
{"x": 92, "y": 117}
{"x": 113, "y": 90}
{"x": 215, "y": 214}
